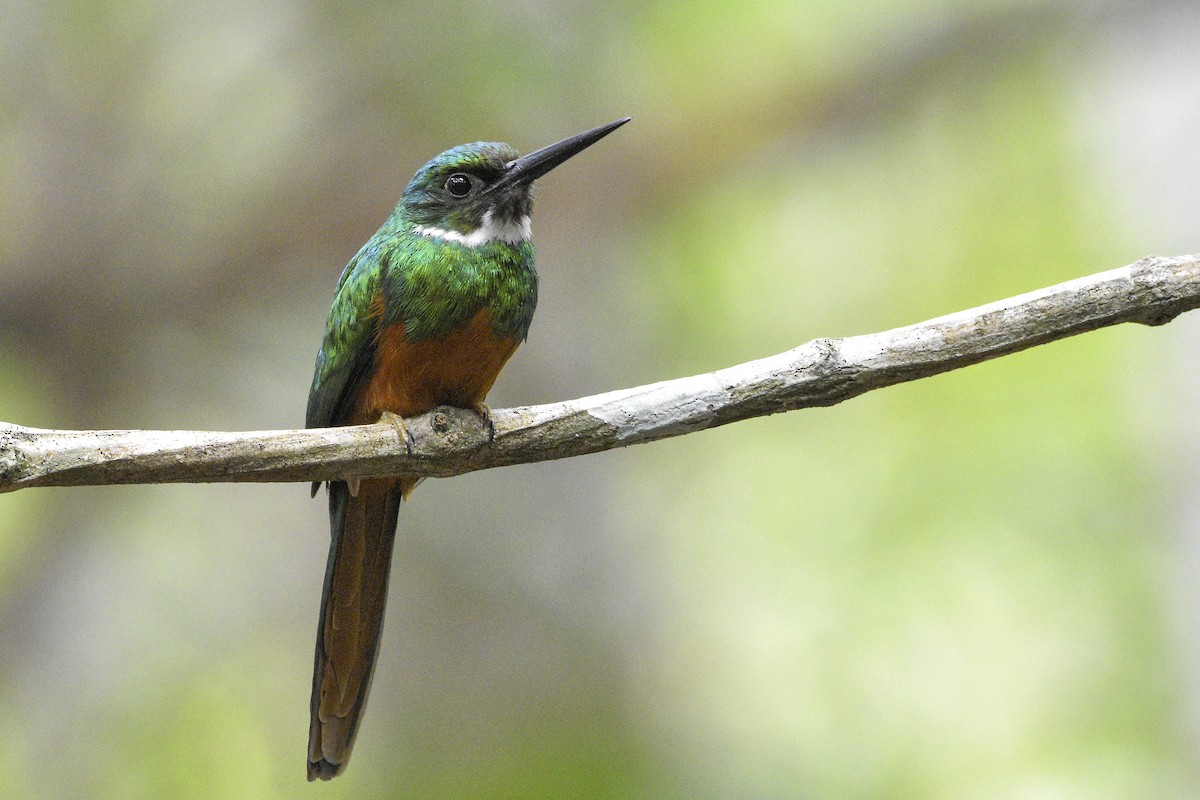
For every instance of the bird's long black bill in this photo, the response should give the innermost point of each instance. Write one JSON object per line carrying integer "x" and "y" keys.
{"x": 533, "y": 166}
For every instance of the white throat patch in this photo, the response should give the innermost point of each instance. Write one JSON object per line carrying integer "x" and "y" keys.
{"x": 489, "y": 231}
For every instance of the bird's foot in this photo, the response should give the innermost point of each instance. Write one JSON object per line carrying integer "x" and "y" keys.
{"x": 397, "y": 422}
{"x": 485, "y": 414}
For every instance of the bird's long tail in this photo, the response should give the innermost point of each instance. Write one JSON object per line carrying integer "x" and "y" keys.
{"x": 356, "y": 579}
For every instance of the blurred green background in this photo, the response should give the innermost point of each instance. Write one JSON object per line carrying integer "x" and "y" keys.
{"x": 981, "y": 585}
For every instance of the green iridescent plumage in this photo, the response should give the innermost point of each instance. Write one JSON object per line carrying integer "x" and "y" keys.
{"x": 349, "y": 331}
{"x": 443, "y": 285}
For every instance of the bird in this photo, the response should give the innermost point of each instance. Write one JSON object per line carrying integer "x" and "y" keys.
{"x": 425, "y": 314}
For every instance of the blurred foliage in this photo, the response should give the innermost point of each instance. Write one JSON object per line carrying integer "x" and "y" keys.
{"x": 977, "y": 585}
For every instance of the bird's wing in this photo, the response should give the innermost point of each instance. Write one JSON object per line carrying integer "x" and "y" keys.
{"x": 348, "y": 349}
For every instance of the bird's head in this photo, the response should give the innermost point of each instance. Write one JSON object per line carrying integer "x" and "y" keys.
{"x": 481, "y": 192}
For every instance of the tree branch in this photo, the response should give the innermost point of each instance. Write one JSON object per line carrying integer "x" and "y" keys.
{"x": 451, "y": 441}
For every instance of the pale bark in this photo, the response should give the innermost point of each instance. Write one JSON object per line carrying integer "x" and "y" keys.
{"x": 453, "y": 441}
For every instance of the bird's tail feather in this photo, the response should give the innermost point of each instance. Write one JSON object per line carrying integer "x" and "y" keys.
{"x": 352, "y": 606}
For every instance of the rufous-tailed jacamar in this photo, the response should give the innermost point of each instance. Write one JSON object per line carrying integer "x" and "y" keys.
{"x": 425, "y": 314}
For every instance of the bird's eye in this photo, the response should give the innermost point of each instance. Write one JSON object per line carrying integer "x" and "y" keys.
{"x": 458, "y": 185}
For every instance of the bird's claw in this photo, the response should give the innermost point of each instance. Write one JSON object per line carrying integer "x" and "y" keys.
{"x": 485, "y": 414}
{"x": 397, "y": 422}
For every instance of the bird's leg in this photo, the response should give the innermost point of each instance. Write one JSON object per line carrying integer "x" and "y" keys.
{"x": 481, "y": 408}
{"x": 397, "y": 422}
